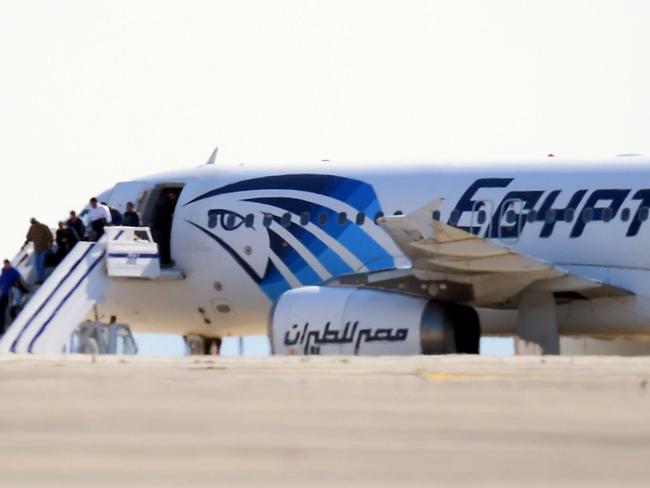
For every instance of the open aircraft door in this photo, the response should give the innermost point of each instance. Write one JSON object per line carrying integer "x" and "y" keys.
{"x": 128, "y": 191}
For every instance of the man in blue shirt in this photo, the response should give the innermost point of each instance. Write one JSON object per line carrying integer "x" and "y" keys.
{"x": 116, "y": 216}
{"x": 8, "y": 279}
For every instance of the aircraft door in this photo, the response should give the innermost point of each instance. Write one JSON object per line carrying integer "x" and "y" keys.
{"x": 157, "y": 212}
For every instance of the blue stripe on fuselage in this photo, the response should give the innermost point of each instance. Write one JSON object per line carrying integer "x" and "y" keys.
{"x": 293, "y": 260}
{"x": 357, "y": 193}
{"x": 350, "y": 235}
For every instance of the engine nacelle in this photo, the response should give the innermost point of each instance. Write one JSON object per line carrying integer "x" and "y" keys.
{"x": 358, "y": 321}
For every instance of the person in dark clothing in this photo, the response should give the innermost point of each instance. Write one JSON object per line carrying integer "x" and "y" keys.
{"x": 116, "y": 216}
{"x": 9, "y": 278}
{"x": 161, "y": 227}
{"x": 76, "y": 224}
{"x": 131, "y": 217}
{"x": 66, "y": 238}
{"x": 41, "y": 237}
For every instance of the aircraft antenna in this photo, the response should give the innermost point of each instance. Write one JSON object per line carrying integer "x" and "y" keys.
{"x": 213, "y": 157}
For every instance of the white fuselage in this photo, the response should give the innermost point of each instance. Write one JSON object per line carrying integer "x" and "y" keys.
{"x": 244, "y": 236}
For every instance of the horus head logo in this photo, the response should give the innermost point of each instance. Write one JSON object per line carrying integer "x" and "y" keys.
{"x": 295, "y": 230}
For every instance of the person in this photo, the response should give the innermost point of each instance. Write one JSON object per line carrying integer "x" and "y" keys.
{"x": 66, "y": 238}
{"x": 113, "y": 327}
{"x": 41, "y": 236}
{"x": 131, "y": 217}
{"x": 100, "y": 217}
{"x": 161, "y": 227}
{"x": 77, "y": 225}
{"x": 9, "y": 278}
{"x": 116, "y": 216}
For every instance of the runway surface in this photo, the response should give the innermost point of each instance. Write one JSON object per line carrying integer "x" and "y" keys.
{"x": 376, "y": 422}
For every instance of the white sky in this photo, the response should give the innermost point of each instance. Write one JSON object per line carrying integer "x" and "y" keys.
{"x": 96, "y": 92}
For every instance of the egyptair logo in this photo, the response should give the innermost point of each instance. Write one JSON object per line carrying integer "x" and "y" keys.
{"x": 288, "y": 231}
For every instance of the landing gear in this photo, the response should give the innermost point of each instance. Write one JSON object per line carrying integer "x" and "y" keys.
{"x": 211, "y": 346}
{"x": 537, "y": 329}
{"x": 199, "y": 345}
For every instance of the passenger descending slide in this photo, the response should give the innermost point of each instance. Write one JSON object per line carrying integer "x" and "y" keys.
{"x": 78, "y": 283}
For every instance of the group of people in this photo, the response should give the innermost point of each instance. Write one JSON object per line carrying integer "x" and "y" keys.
{"x": 73, "y": 230}
{"x": 67, "y": 235}
{"x": 101, "y": 215}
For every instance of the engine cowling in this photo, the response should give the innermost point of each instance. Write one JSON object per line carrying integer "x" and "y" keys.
{"x": 358, "y": 321}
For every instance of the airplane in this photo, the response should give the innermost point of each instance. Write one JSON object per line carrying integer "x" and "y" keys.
{"x": 392, "y": 259}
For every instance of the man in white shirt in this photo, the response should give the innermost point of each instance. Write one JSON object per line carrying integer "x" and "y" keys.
{"x": 100, "y": 217}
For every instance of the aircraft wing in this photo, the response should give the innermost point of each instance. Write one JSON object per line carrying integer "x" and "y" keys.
{"x": 451, "y": 264}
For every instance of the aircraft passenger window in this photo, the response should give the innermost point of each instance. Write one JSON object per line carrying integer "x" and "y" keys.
{"x": 378, "y": 215}
{"x": 643, "y": 214}
{"x": 249, "y": 221}
{"x": 569, "y": 214}
{"x": 511, "y": 216}
{"x": 212, "y": 219}
{"x": 625, "y": 214}
{"x": 322, "y": 219}
{"x": 587, "y": 215}
{"x": 398, "y": 212}
{"x": 361, "y": 218}
{"x": 532, "y": 216}
{"x": 342, "y": 218}
{"x": 268, "y": 220}
{"x": 436, "y": 215}
{"x": 608, "y": 214}
{"x": 230, "y": 221}
{"x": 285, "y": 221}
{"x": 550, "y": 216}
{"x": 304, "y": 218}
{"x": 481, "y": 217}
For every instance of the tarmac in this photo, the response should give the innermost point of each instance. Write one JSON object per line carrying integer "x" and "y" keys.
{"x": 79, "y": 421}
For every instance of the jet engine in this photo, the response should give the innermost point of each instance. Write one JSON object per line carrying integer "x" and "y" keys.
{"x": 365, "y": 322}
